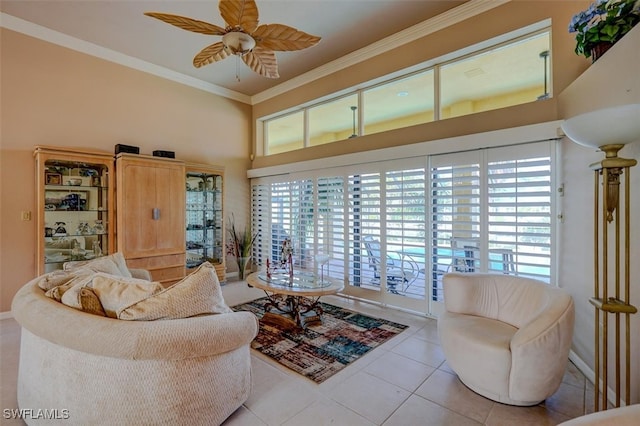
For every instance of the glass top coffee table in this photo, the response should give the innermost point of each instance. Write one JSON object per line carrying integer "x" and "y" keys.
{"x": 294, "y": 301}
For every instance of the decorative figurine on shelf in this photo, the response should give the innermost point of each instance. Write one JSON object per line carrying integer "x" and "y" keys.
{"x": 61, "y": 230}
{"x": 97, "y": 250}
{"x": 83, "y": 228}
{"x": 99, "y": 227}
{"x": 77, "y": 253}
{"x": 286, "y": 260}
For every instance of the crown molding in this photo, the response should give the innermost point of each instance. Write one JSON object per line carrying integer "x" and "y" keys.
{"x": 453, "y": 16}
{"x": 37, "y": 31}
{"x": 465, "y": 11}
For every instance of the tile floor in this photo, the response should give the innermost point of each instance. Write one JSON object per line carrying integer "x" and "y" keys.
{"x": 404, "y": 382}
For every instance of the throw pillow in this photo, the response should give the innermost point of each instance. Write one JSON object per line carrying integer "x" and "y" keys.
{"x": 78, "y": 278}
{"x": 197, "y": 294}
{"x": 53, "y": 279}
{"x": 90, "y": 303}
{"x": 56, "y": 292}
{"x": 113, "y": 264}
{"x": 114, "y": 292}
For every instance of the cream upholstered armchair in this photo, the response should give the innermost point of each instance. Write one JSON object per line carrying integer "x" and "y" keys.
{"x": 506, "y": 337}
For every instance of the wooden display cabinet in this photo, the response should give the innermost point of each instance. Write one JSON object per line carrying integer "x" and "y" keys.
{"x": 75, "y": 211}
{"x": 204, "y": 217}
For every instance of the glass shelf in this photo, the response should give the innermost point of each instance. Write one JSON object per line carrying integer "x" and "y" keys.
{"x": 74, "y": 198}
{"x": 204, "y": 227}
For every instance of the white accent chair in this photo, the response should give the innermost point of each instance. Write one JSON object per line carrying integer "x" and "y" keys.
{"x": 506, "y": 337}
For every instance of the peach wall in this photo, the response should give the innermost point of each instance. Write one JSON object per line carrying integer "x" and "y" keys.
{"x": 566, "y": 66}
{"x": 56, "y": 96}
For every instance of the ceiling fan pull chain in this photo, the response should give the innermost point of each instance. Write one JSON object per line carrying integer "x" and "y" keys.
{"x": 237, "y": 76}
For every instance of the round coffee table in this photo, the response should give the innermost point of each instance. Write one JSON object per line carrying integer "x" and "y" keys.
{"x": 294, "y": 301}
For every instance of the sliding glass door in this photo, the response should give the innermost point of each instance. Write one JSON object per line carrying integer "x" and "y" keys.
{"x": 391, "y": 230}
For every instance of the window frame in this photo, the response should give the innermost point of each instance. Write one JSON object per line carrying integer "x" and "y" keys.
{"x": 435, "y": 65}
{"x": 407, "y": 158}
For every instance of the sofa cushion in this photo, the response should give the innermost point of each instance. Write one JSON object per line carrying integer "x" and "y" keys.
{"x": 114, "y": 292}
{"x": 113, "y": 264}
{"x": 199, "y": 293}
{"x": 90, "y": 302}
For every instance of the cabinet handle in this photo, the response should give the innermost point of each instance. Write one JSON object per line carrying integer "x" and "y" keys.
{"x": 156, "y": 213}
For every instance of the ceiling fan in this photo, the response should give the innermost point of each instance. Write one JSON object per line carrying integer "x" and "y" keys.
{"x": 242, "y": 36}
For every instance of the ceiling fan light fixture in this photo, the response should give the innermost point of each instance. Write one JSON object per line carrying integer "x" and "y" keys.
{"x": 238, "y": 43}
{"x": 242, "y": 37}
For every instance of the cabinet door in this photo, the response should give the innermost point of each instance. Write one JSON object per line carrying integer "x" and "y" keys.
{"x": 151, "y": 209}
{"x": 170, "y": 201}
{"x": 137, "y": 229}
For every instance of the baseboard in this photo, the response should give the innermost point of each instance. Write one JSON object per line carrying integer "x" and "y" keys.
{"x": 582, "y": 366}
{"x": 591, "y": 375}
{"x": 6, "y": 315}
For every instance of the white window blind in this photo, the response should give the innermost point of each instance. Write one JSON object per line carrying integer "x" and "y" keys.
{"x": 519, "y": 212}
{"x": 455, "y": 216}
{"x": 281, "y": 217}
{"x": 364, "y": 222}
{"x": 283, "y": 210}
{"x": 260, "y": 222}
{"x": 491, "y": 211}
{"x": 405, "y": 221}
{"x": 399, "y": 227}
{"x": 302, "y": 231}
{"x": 330, "y": 243}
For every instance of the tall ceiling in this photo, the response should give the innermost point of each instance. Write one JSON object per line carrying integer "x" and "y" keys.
{"x": 121, "y": 26}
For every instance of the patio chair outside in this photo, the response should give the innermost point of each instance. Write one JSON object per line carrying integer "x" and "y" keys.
{"x": 398, "y": 272}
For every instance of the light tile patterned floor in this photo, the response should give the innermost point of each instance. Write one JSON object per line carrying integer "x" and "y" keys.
{"x": 404, "y": 382}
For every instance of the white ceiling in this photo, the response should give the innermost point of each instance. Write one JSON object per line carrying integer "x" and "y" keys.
{"x": 344, "y": 26}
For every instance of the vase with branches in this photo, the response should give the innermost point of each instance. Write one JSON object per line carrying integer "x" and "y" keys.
{"x": 239, "y": 245}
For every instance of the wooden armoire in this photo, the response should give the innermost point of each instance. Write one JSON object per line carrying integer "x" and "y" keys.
{"x": 150, "y": 215}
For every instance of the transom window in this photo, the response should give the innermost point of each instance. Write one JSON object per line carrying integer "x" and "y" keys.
{"x": 507, "y": 74}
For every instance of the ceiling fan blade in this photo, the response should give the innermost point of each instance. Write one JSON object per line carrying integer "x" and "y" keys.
{"x": 188, "y": 23}
{"x": 283, "y": 38}
{"x": 215, "y": 52}
{"x": 263, "y": 62}
{"x": 240, "y": 13}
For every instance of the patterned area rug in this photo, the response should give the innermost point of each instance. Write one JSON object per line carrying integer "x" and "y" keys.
{"x": 321, "y": 350}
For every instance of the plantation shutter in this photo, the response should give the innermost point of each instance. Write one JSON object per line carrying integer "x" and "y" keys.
{"x": 455, "y": 216}
{"x": 281, "y": 217}
{"x": 405, "y": 227}
{"x": 330, "y": 247}
{"x": 260, "y": 222}
{"x": 489, "y": 210}
{"x": 302, "y": 223}
{"x": 519, "y": 211}
{"x": 364, "y": 223}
